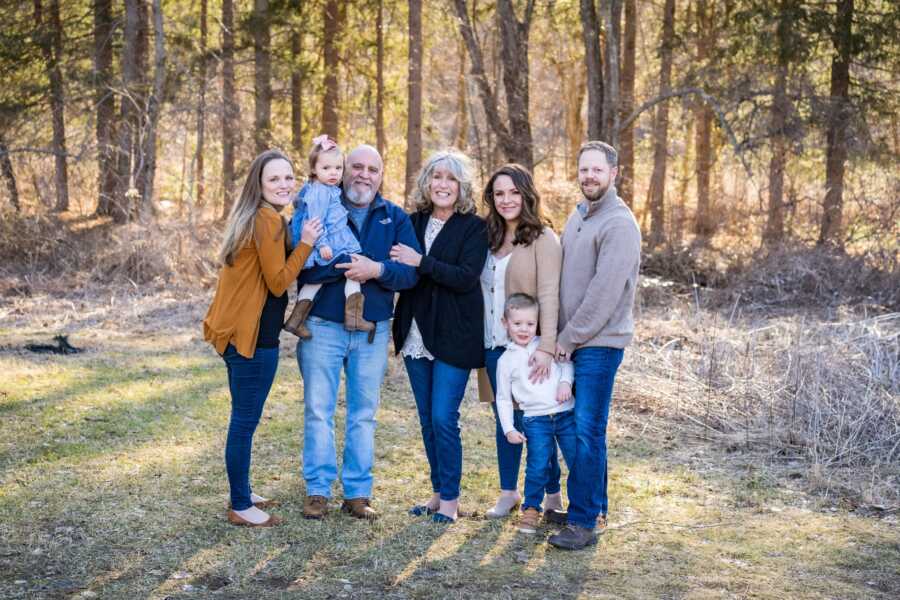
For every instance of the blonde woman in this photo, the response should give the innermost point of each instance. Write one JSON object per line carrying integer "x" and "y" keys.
{"x": 439, "y": 324}
{"x": 246, "y": 315}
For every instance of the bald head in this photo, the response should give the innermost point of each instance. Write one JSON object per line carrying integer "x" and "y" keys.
{"x": 363, "y": 174}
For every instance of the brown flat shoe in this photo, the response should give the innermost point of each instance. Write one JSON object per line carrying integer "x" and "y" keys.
{"x": 359, "y": 508}
{"x": 236, "y": 519}
{"x": 315, "y": 507}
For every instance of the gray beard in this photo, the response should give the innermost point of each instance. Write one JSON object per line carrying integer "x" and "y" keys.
{"x": 357, "y": 199}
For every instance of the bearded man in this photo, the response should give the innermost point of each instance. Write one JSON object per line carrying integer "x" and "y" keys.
{"x": 601, "y": 258}
{"x": 379, "y": 225}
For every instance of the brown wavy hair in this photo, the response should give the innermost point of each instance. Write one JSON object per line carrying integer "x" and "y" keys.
{"x": 531, "y": 222}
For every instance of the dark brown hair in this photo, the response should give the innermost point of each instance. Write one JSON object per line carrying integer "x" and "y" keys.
{"x": 530, "y": 224}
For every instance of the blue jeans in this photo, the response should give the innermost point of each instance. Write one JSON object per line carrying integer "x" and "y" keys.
{"x": 595, "y": 373}
{"x": 439, "y": 389}
{"x": 249, "y": 380}
{"x": 509, "y": 456}
{"x": 543, "y": 433}
{"x": 321, "y": 359}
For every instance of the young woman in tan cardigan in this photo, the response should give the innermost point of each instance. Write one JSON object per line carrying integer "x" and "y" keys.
{"x": 246, "y": 315}
{"x": 524, "y": 256}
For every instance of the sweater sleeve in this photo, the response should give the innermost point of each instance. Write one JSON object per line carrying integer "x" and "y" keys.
{"x": 549, "y": 266}
{"x": 466, "y": 275}
{"x": 619, "y": 251}
{"x": 504, "y": 396}
{"x": 278, "y": 273}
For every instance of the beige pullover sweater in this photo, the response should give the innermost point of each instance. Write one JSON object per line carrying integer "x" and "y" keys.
{"x": 601, "y": 258}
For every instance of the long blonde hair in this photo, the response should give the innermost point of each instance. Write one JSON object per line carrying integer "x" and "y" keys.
{"x": 242, "y": 220}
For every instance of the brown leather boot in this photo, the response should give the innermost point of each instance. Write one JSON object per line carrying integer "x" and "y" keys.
{"x": 296, "y": 323}
{"x": 359, "y": 508}
{"x": 315, "y": 507}
{"x": 353, "y": 314}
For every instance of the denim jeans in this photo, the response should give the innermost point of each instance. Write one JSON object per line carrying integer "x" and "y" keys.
{"x": 249, "y": 380}
{"x": 595, "y": 373}
{"x": 321, "y": 358}
{"x": 439, "y": 389}
{"x": 509, "y": 456}
{"x": 543, "y": 433}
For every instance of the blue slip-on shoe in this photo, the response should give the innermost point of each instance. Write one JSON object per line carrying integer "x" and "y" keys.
{"x": 420, "y": 510}
{"x": 442, "y": 519}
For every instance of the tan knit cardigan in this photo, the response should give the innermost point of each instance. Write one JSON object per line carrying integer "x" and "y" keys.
{"x": 534, "y": 270}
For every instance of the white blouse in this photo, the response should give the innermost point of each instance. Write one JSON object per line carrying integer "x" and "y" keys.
{"x": 414, "y": 346}
{"x": 493, "y": 290}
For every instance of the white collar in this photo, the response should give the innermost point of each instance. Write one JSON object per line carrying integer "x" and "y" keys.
{"x": 530, "y": 348}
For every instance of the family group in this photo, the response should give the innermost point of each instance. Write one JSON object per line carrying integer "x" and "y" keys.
{"x": 543, "y": 319}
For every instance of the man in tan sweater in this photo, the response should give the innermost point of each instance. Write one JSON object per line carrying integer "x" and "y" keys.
{"x": 601, "y": 258}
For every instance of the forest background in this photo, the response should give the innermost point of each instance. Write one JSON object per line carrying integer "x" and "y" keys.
{"x": 759, "y": 148}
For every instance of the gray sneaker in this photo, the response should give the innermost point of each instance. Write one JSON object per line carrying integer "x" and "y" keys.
{"x": 573, "y": 537}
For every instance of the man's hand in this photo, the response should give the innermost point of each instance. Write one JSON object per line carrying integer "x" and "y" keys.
{"x": 561, "y": 354}
{"x": 325, "y": 252}
{"x": 540, "y": 363}
{"x": 405, "y": 255}
{"x": 563, "y": 392}
{"x": 360, "y": 268}
{"x": 514, "y": 437}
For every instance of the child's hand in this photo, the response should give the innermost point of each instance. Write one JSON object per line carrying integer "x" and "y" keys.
{"x": 325, "y": 252}
{"x": 563, "y": 392}
{"x": 514, "y": 437}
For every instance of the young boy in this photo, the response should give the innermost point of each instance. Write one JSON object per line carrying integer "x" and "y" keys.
{"x": 548, "y": 405}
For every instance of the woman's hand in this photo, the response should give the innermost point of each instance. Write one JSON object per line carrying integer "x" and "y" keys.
{"x": 311, "y": 231}
{"x": 405, "y": 255}
{"x": 325, "y": 252}
{"x": 540, "y": 363}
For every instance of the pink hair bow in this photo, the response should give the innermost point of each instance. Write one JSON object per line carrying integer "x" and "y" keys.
{"x": 325, "y": 142}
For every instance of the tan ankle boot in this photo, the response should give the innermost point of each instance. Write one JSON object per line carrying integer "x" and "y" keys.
{"x": 296, "y": 323}
{"x": 353, "y": 314}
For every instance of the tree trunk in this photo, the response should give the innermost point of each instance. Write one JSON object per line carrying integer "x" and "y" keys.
{"x": 514, "y": 54}
{"x": 414, "y": 99}
{"x": 154, "y": 106}
{"x": 703, "y": 224}
{"x": 839, "y": 112}
{"x": 49, "y": 34}
{"x": 106, "y": 106}
{"x": 6, "y": 167}
{"x": 612, "y": 18}
{"x": 262, "y": 76}
{"x": 333, "y": 19}
{"x": 774, "y": 231}
{"x": 297, "y": 73}
{"x": 593, "y": 62}
{"x": 661, "y": 132}
{"x": 201, "y": 105}
{"x": 514, "y": 140}
{"x": 141, "y": 165}
{"x": 129, "y": 112}
{"x": 626, "y": 136}
{"x": 230, "y": 115}
{"x": 461, "y": 122}
{"x": 380, "y": 142}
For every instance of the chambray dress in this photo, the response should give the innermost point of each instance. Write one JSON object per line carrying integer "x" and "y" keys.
{"x": 323, "y": 201}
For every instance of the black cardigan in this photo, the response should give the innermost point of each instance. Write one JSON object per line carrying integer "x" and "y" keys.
{"x": 447, "y": 301}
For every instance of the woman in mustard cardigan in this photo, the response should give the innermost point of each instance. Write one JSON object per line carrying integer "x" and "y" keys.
{"x": 524, "y": 256}
{"x": 247, "y": 313}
